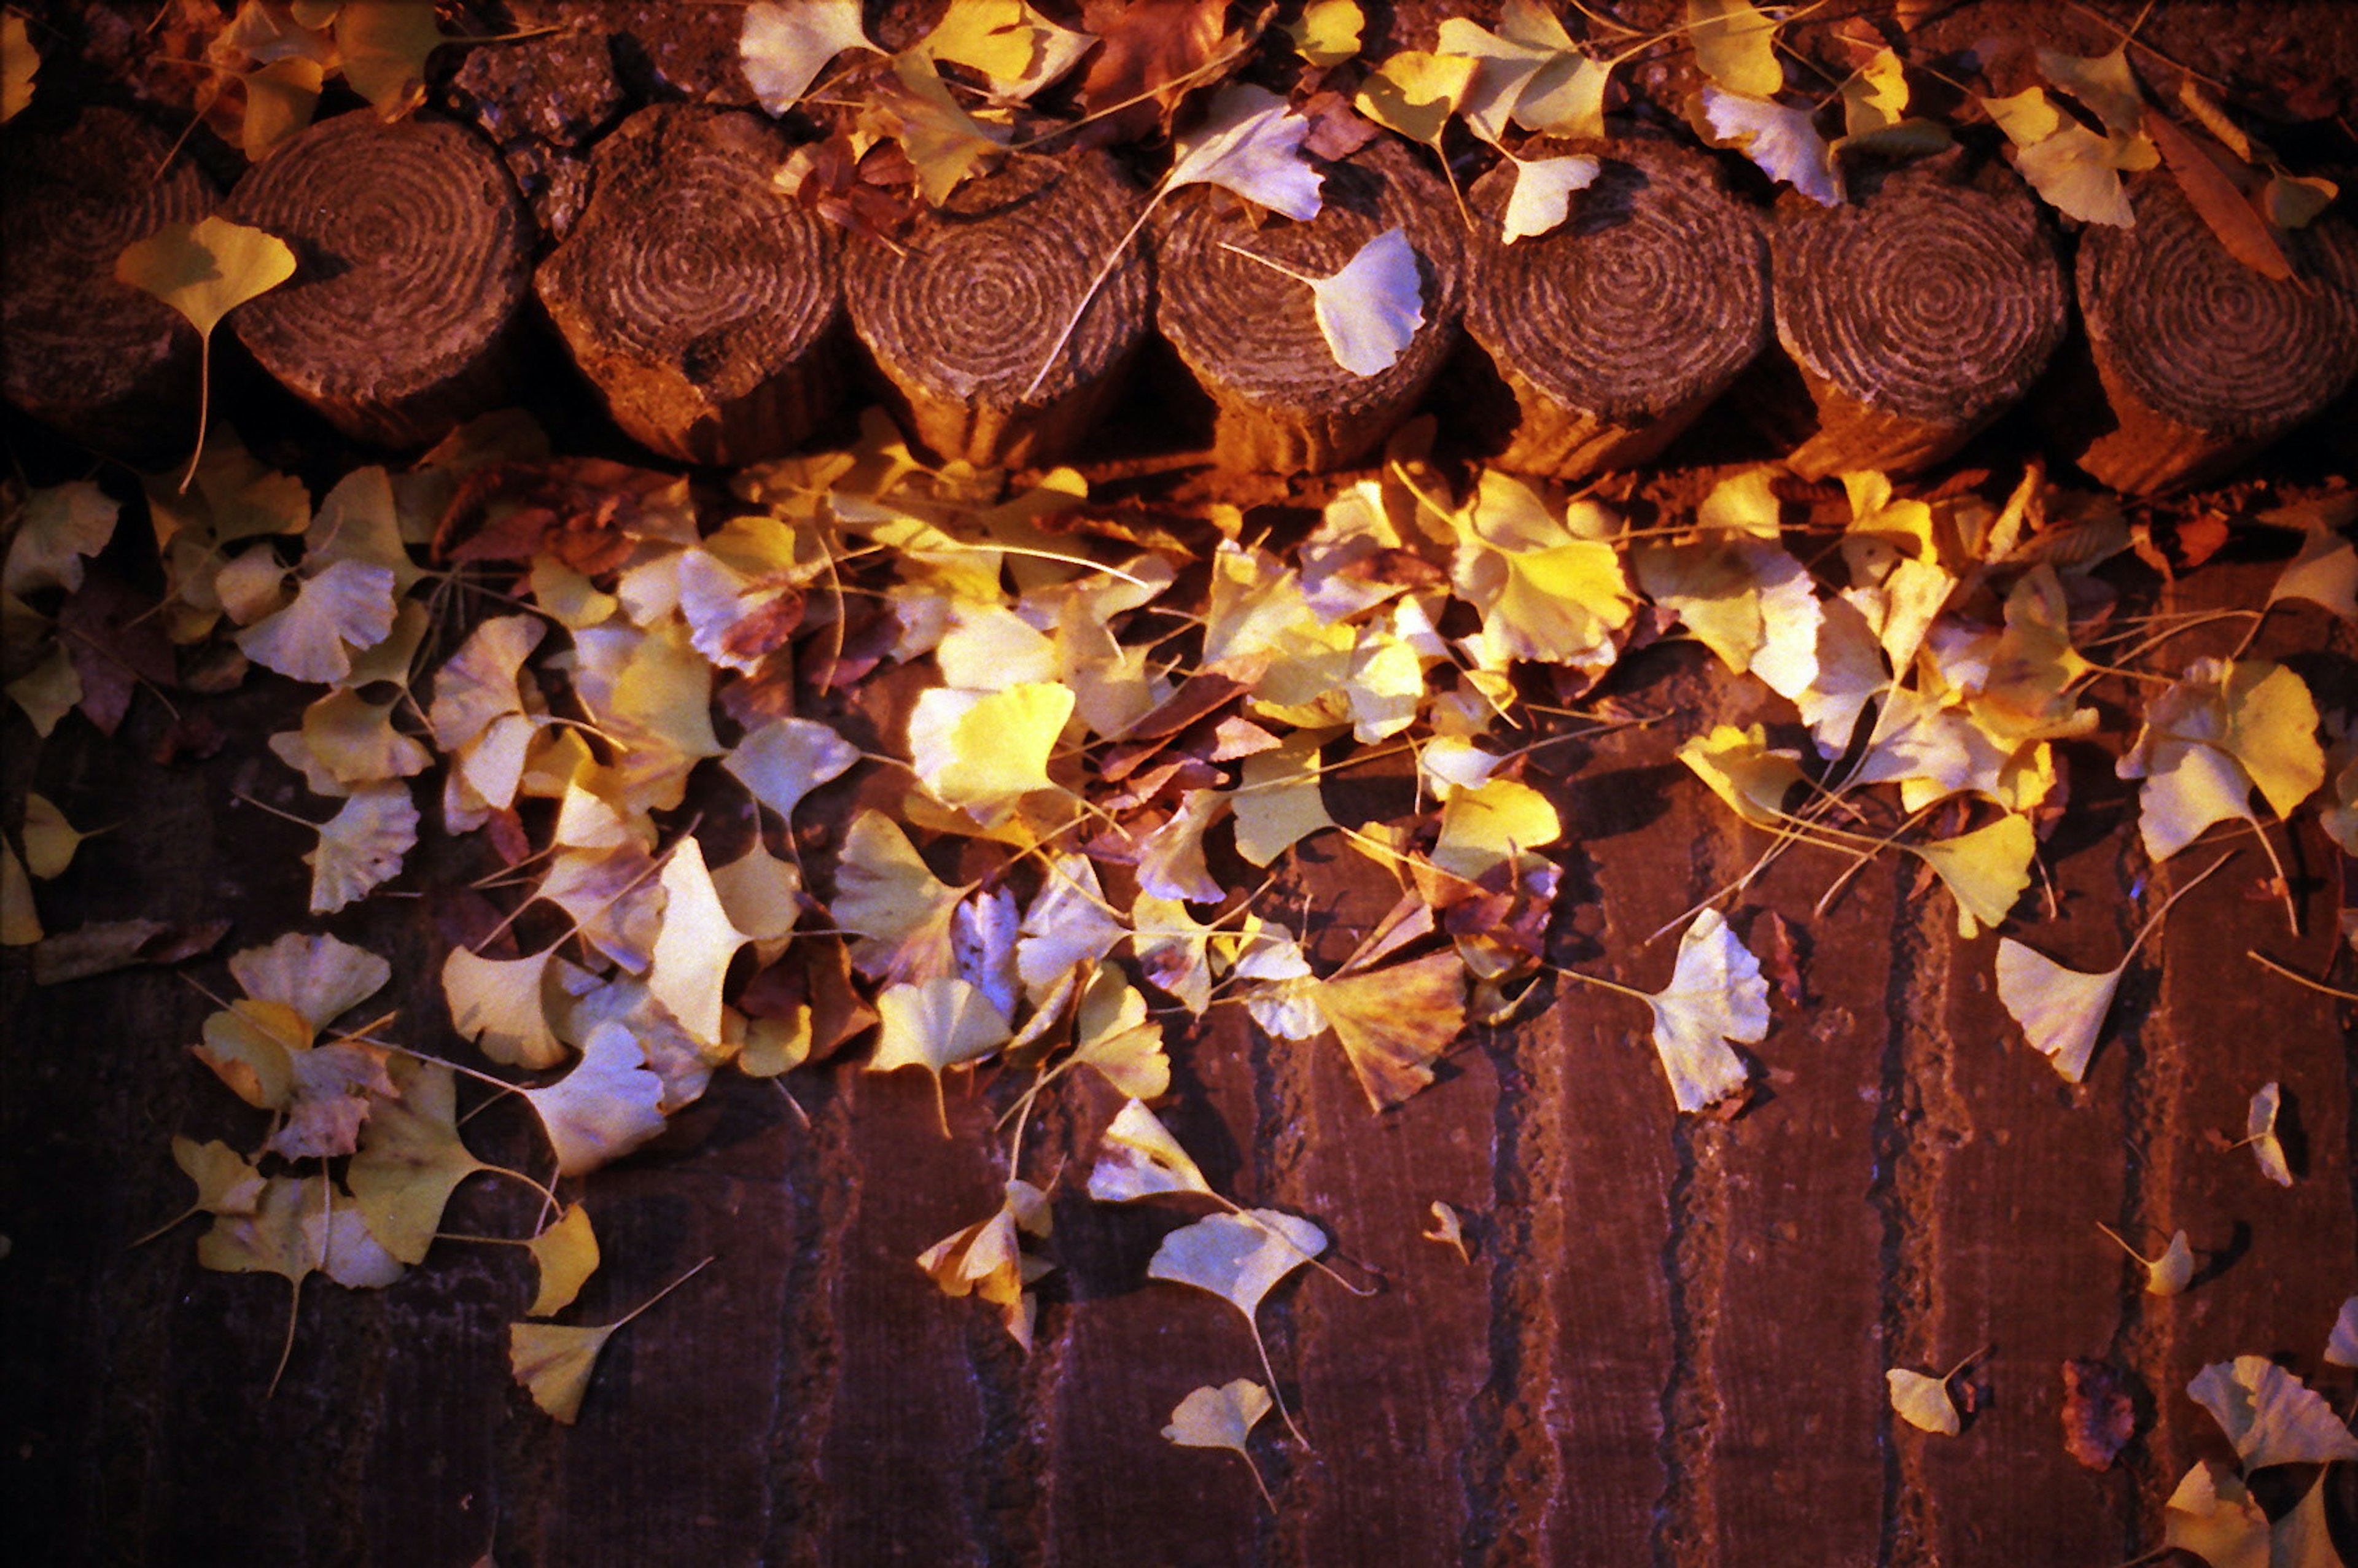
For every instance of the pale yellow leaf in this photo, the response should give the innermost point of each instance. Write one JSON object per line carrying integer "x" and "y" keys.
{"x": 786, "y": 759}
{"x": 1734, "y": 45}
{"x": 59, "y": 527}
{"x": 1278, "y": 803}
{"x": 1923, "y": 1403}
{"x": 890, "y": 899}
{"x": 347, "y": 607}
{"x": 1370, "y": 310}
{"x": 1542, "y": 194}
{"x": 1137, "y": 1157}
{"x": 1985, "y": 869}
{"x": 361, "y": 845}
{"x": 1328, "y": 32}
{"x": 982, "y": 752}
{"x": 384, "y": 45}
{"x": 2212, "y": 1515}
{"x": 410, "y": 1158}
{"x": 693, "y": 949}
{"x": 553, "y": 1363}
{"x": 607, "y": 1106}
{"x": 2060, "y": 1009}
{"x": 1781, "y": 140}
{"x": 2270, "y": 1415}
{"x": 1715, "y": 995}
{"x": 1251, "y": 144}
{"x": 783, "y": 47}
{"x": 50, "y": 839}
{"x": 206, "y": 270}
{"x": 1414, "y": 94}
{"x": 505, "y": 1005}
{"x": 2260, "y": 1133}
{"x": 565, "y": 1255}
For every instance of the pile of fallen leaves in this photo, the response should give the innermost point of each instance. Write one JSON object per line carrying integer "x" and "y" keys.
{"x": 1116, "y": 729}
{"x": 1114, "y": 721}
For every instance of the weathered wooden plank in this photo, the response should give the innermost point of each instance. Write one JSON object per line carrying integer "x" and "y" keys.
{"x": 2000, "y": 1173}
{"x": 1800, "y": 1449}
{"x": 1387, "y": 1381}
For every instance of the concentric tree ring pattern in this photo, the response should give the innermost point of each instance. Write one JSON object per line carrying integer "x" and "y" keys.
{"x": 689, "y": 255}
{"x": 1652, "y": 293}
{"x": 1938, "y": 302}
{"x": 2197, "y": 336}
{"x": 985, "y": 286}
{"x": 74, "y": 335}
{"x": 1244, "y": 326}
{"x": 410, "y": 249}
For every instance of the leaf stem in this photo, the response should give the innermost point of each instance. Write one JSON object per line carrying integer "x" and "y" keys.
{"x": 2264, "y": 961}
{"x": 693, "y": 1270}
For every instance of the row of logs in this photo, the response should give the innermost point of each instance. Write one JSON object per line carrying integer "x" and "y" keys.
{"x": 723, "y": 323}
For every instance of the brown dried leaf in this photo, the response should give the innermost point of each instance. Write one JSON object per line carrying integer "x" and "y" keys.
{"x": 2099, "y": 1417}
{"x": 2216, "y": 201}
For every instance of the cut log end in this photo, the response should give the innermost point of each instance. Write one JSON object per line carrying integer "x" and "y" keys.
{"x": 1249, "y": 333}
{"x": 1615, "y": 330}
{"x": 704, "y": 306}
{"x": 412, "y": 259}
{"x": 95, "y": 359}
{"x": 2204, "y": 360}
{"x": 961, "y": 322}
{"x": 1916, "y": 318}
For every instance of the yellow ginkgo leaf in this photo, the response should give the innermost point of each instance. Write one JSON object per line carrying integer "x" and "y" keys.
{"x": 607, "y": 1106}
{"x": 50, "y": 839}
{"x": 280, "y": 99}
{"x": 1529, "y": 73}
{"x": 2212, "y": 1515}
{"x": 693, "y": 951}
{"x": 2341, "y": 1343}
{"x": 1020, "y": 50}
{"x": 1923, "y": 1403}
{"x": 565, "y": 1255}
{"x": 347, "y": 606}
{"x": 2260, "y": 1133}
{"x": 1223, "y": 1417}
{"x": 786, "y": 759}
{"x": 59, "y": 527}
{"x": 935, "y": 1025}
{"x": 983, "y": 752}
{"x": 987, "y": 1258}
{"x": 783, "y": 47}
{"x": 1114, "y": 1036}
{"x": 384, "y": 45}
{"x": 1328, "y": 32}
{"x": 1985, "y": 869}
{"x": 505, "y": 1005}
{"x": 553, "y": 1363}
{"x": 1277, "y": 804}
{"x": 204, "y": 271}
{"x": 762, "y": 898}
{"x": 2167, "y": 1275}
{"x": 2060, "y": 1009}
{"x": 1742, "y": 770}
{"x": 1137, "y": 1158}
{"x": 892, "y": 903}
{"x": 1415, "y": 93}
{"x": 1735, "y": 45}
{"x": 1498, "y": 823}
{"x": 1448, "y": 1228}
{"x": 1240, "y": 1258}
{"x": 1542, "y": 199}
{"x": 1393, "y": 1022}
{"x": 1717, "y": 994}
{"x": 361, "y": 845}
{"x": 410, "y": 1159}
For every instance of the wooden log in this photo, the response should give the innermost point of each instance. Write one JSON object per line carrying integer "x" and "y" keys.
{"x": 412, "y": 256}
{"x": 1614, "y": 330}
{"x": 2204, "y": 360}
{"x": 1249, "y": 334}
{"x": 97, "y": 360}
{"x": 962, "y": 320}
{"x": 1916, "y": 317}
{"x": 704, "y": 306}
